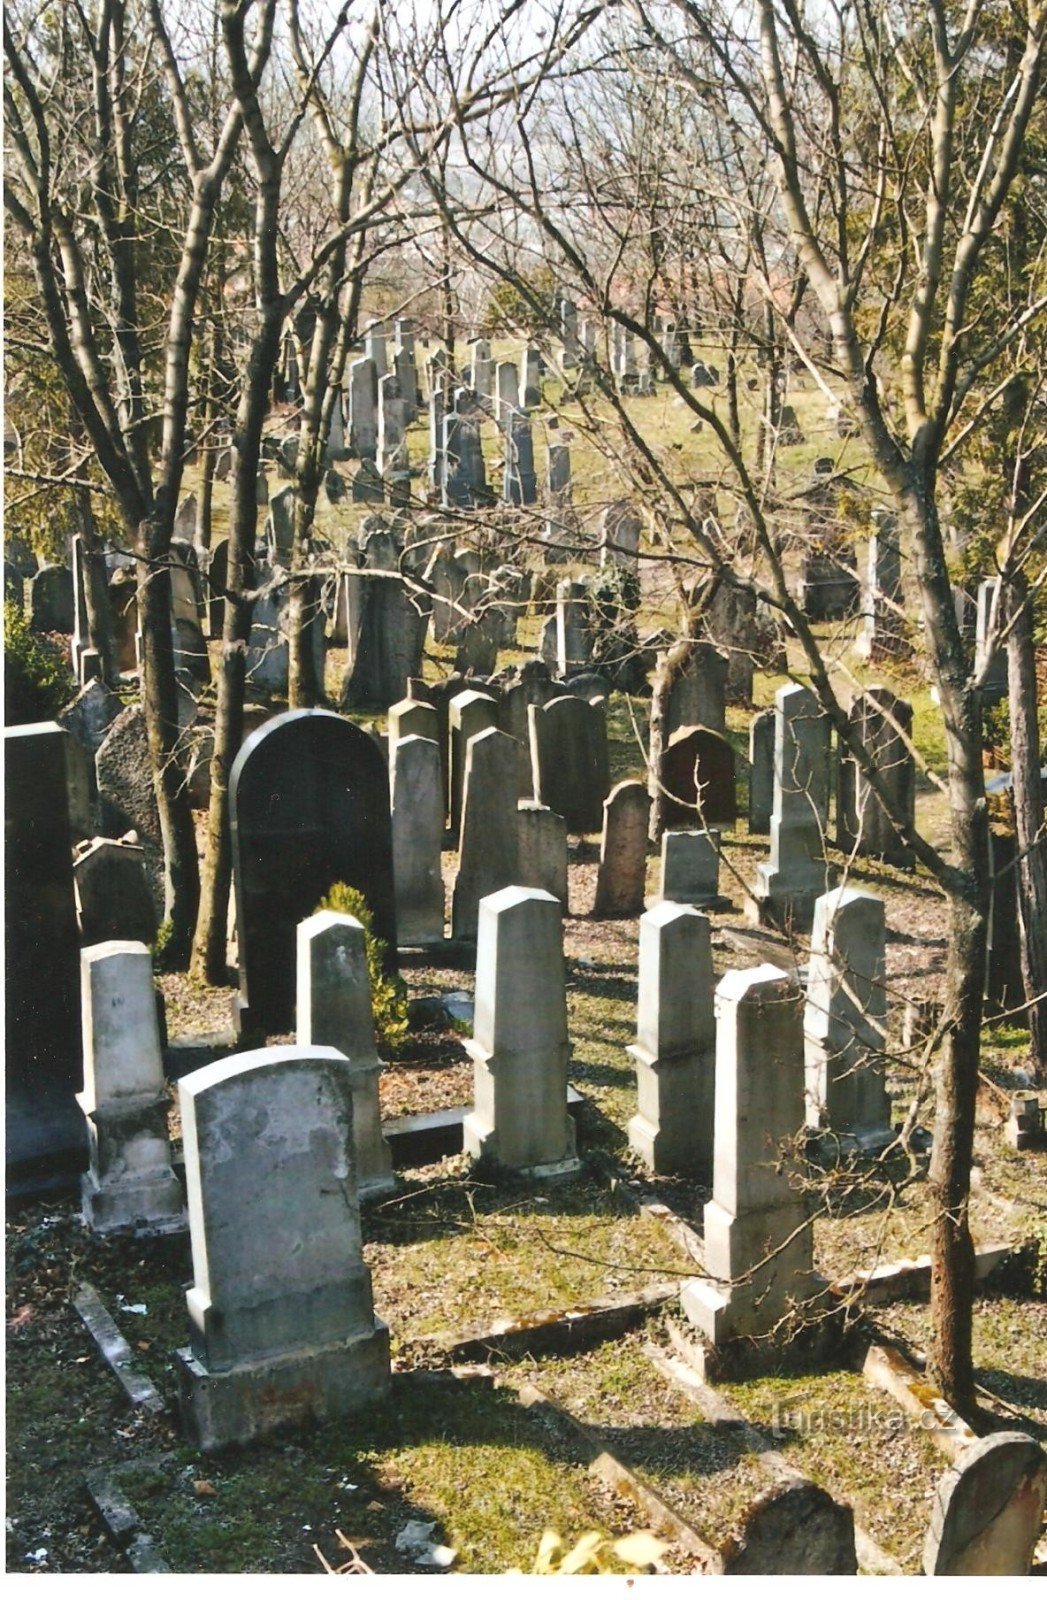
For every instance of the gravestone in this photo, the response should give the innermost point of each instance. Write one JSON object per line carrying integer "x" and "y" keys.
{"x": 409, "y": 717}
{"x": 698, "y": 697}
{"x": 267, "y": 649}
{"x": 487, "y": 851}
{"x": 375, "y": 348}
{"x": 309, "y": 805}
{"x": 789, "y": 430}
{"x": 620, "y": 528}
{"x": 569, "y": 761}
{"x": 520, "y": 484}
{"x": 417, "y": 796}
{"x": 51, "y": 600}
{"x": 362, "y": 394}
{"x": 530, "y": 379}
{"x": 386, "y": 626}
{"x": 674, "y": 1052}
{"x": 333, "y": 1007}
{"x": 845, "y": 1020}
{"x": 987, "y": 1512}
{"x": 696, "y": 773}
{"x": 883, "y": 723}
{"x": 731, "y": 621}
{"x": 483, "y": 369}
{"x": 129, "y": 1185}
{"x": 127, "y": 798}
{"x": 622, "y": 876}
{"x": 446, "y": 578}
{"x": 42, "y": 961}
{"x": 519, "y": 1047}
{"x": 280, "y": 527}
{"x": 690, "y": 872}
{"x": 761, "y": 771}
{"x": 437, "y": 463}
{"x": 368, "y": 485}
{"x": 282, "y": 1321}
{"x": 993, "y": 665}
{"x": 1004, "y": 984}
{"x": 573, "y": 641}
{"x": 407, "y": 377}
{"x": 795, "y": 1528}
{"x": 89, "y": 716}
{"x": 123, "y": 607}
{"x": 541, "y": 843}
{"x": 883, "y": 633}
{"x": 532, "y": 686}
{"x": 797, "y": 873}
{"x": 469, "y": 713}
{"x": 465, "y": 479}
{"x": 113, "y": 897}
{"x": 758, "y": 1253}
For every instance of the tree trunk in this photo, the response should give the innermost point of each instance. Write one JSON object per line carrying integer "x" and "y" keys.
{"x": 160, "y": 707}
{"x": 1028, "y": 814}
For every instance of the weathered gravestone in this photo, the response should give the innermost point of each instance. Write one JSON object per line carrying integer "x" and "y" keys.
{"x": 530, "y": 686}
{"x": 113, "y": 897}
{"x": 541, "y": 839}
{"x": 674, "y": 1051}
{"x": 569, "y": 760}
{"x": 282, "y": 1321}
{"x": 696, "y": 772}
{"x": 761, "y": 771}
{"x": 845, "y": 1019}
{"x": 758, "y": 1251}
{"x": 698, "y": 697}
{"x": 622, "y": 876}
{"x": 795, "y": 1528}
{"x": 126, "y": 794}
{"x": 519, "y": 1047}
{"x": 334, "y": 1008}
{"x": 797, "y": 873}
{"x": 88, "y": 718}
{"x": 417, "y": 796}
{"x": 690, "y": 872}
{"x": 130, "y": 1183}
{"x": 309, "y": 804}
{"x": 469, "y": 713}
{"x": 883, "y": 723}
{"x": 988, "y": 1510}
{"x": 572, "y": 627}
{"x": 42, "y": 963}
{"x": 487, "y": 848}
{"x": 51, "y": 600}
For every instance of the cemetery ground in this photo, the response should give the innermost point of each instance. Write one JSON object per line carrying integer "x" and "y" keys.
{"x": 455, "y": 1444}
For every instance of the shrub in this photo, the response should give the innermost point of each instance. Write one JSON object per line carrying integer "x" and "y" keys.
{"x": 37, "y": 680}
{"x": 388, "y": 995}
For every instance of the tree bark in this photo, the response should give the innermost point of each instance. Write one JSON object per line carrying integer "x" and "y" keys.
{"x": 1028, "y": 814}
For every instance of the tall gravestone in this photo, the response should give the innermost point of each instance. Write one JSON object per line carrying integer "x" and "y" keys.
{"x": 487, "y": 851}
{"x": 674, "y": 1051}
{"x": 987, "y": 1514}
{"x": 334, "y": 1008}
{"x": 469, "y": 713}
{"x": 569, "y": 760}
{"x": 621, "y": 880}
{"x": 309, "y": 804}
{"x": 990, "y": 662}
{"x": 797, "y": 873}
{"x": 845, "y": 1020}
{"x": 126, "y": 793}
{"x": 519, "y": 1047}
{"x": 541, "y": 848}
{"x": 417, "y": 795}
{"x": 363, "y": 409}
{"x": 883, "y": 723}
{"x": 531, "y": 686}
{"x": 758, "y": 1250}
{"x": 282, "y": 1322}
{"x": 130, "y": 1184}
{"x": 761, "y": 771}
{"x": 883, "y": 633}
{"x": 572, "y": 628}
{"x": 698, "y": 697}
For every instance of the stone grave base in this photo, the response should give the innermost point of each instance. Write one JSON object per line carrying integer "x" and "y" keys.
{"x": 222, "y": 1408}
{"x": 828, "y": 1148}
{"x": 750, "y": 1357}
{"x": 700, "y": 902}
{"x": 773, "y": 904}
{"x": 148, "y": 1208}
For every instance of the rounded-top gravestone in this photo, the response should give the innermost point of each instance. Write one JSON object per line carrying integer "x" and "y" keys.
{"x": 988, "y": 1510}
{"x": 309, "y": 803}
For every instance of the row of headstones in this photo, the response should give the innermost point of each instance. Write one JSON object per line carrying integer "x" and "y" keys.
{"x": 282, "y": 1320}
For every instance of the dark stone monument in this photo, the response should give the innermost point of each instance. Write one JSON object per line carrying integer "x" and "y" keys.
{"x": 569, "y": 760}
{"x": 309, "y": 800}
{"x": 126, "y": 793}
{"x": 42, "y": 964}
{"x": 698, "y": 757}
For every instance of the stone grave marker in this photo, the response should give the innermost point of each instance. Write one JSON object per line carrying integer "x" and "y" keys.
{"x": 698, "y": 697}
{"x": 126, "y": 795}
{"x": 417, "y": 795}
{"x": 568, "y": 739}
{"x": 690, "y": 868}
{"x": 988, "y": 1508}
{"x": 309, "y": 801}
{"x": 541, "y": 850}
{"x": 797, "y": 873}
{"x": 761, "y": 771}
{"x": 282, "y": 1322}
{"x": 113, "y": 897}
{"x": 129, "y": 1184}
{"x": 675, "y": 1044}
{"x": 795, "y": 1528}
{"x": 51, "y": 600}
{"x": 845, "y": 1020}
{"x": 487, "y": 851}
{"x": 696, "y": 766}
{"x": 621, "y": 880}
{"x": 333, "y": 1008}
{"x": 519, "y": 1047}
{"x": 469, "y": 713}
{"x": 883, "y": 723}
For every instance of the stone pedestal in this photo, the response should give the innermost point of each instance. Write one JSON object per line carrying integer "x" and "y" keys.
{"x": 845, "y": 1019}
{"x": 282, "y": 1319}
{"x": 334, "y": 1008}
{"x": 675, "y": 1044}
{"x": 520, "y": 1048}
{"x": 758, "y": 1251}
{"x": 129, "y": 1185}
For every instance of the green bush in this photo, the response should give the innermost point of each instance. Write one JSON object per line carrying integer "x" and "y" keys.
{"x": 37, "y": 679}
{"x": 388, "y": 995}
